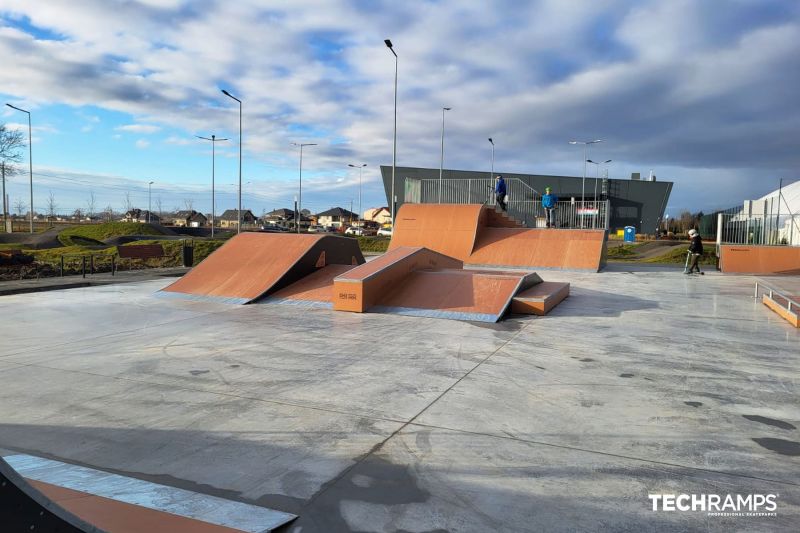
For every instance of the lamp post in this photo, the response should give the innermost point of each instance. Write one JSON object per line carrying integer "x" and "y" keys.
{"x": 149, "y": 197}
{"x": 596, "y": 179}
{"x": 583, "y": 181}
{"x": 239, "y": 212}
{"x": 491, "y": 175}
{"x": 441, "y": 161}
{"x": 30, "y": 157}
{"x": 394, "y": 144}
{"x": 300, "y": 189}
{"x": 360, "y": 169}
{"x": 214, "y": 141}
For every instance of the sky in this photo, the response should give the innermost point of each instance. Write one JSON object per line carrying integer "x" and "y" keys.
{"x": 703, "y": 93}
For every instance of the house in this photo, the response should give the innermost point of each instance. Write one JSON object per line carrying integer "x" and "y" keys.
{"x": 141, "y": 215}
{"x": 336, "y": 217}
{"x": 381, "y": 215}
{"x": 230, "y": 218}
{"x": 191, "y": 219}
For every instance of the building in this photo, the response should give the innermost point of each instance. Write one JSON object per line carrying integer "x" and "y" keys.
{"x": 336, "y": 217}
{"x": 141, "y": 215}
{"x": 191, "y": 219}
{"x": 380, "y": 215}
{"x": 632, "y": 202}
{"x": 230, "y": 218}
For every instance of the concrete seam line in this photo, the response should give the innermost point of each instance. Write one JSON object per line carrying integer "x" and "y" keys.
{"x": 405, "y": 424}
{"x": 607, "y": 454}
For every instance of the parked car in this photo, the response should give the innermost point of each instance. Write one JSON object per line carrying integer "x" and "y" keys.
{"x": 385, "y": 232}
{"x": 317, "y": 229}
{"x": 352, "y": 230}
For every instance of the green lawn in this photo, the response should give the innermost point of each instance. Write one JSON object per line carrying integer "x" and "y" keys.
{"x": 87, "y": 233}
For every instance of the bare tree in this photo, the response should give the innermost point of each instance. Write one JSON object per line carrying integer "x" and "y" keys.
{"x": 108, "y": 213}
{"x": 78, "y": 214}
{"x": 51, "y": 206}
{"x": 90, "y": 203}
{"x": 19, "y": 206}
{"x": 128, "y": 203}
{"x": 11, "y": 145}
{"x": 189, "y": 203}
{"x": 158, "y": 207}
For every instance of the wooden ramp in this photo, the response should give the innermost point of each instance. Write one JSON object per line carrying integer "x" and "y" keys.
{"x": 540, "y": 299}
{"x": 252, "y": 265}
{"x": 478, "y": 235}
{"x": 759, "y": 259}
{"x": 313, "y": 291}
{"x": 420, "y": 282}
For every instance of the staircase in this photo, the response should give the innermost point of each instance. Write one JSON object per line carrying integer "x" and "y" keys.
{"x": 497, "y": 218}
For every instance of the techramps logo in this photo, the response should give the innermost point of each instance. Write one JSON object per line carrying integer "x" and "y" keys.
{"x": 728, "y": 505}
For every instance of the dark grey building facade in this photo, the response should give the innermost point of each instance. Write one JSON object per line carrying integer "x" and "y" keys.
{"x": 637, "y": 203}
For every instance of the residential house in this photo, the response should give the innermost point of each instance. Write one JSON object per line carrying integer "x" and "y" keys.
{"x": 230, "y": 218}
{"x": 141, "y": 215}
{"x": 381, "y": 215}
{"x": 336, "y": 217}
{"x": 191, "y": 219}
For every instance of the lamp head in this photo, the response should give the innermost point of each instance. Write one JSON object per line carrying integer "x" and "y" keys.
{"x": 388, "y": 43}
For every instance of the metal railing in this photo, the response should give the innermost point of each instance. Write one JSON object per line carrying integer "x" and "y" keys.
{"x": 769, "y": 292}
{"x": 738, "y": 228}
{"x": 524, "y": 202}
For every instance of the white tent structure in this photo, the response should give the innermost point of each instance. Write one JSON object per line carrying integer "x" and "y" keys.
{"x": 784, "y": 205}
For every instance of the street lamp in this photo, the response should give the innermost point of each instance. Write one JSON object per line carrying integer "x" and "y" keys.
{"x": 300, "y": 195}
{"x": 441, "y": 161}
{"x": 30, "y": 157}
{"x": 214, "y": 141}
{"x": 149, "y": 197}
{"x": 360, "y": 168}
{"x": 239, "y": 212}
{"x": 583, "y": 182}
{"x": 492, "y": 174}
{"x": 597, "y": 175}
{"x": 394, "y": 145}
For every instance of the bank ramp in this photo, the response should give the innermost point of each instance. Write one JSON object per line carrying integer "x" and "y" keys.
{"x": 252, "y": 265}
{"x": 478, "y": 235}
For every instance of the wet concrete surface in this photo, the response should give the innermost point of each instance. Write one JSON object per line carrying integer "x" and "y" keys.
{"x": 641, "y": 382}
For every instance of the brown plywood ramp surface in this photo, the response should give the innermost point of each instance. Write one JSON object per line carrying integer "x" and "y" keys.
{"x": 449, "y": 229}
{"x": 360, "y": 288}
{"x": 252, "y": 265}
{"x": 569, "y": 249}
{"x": 540, "y": 299}
{"x": 455, "y": 294}
{"x": 759, "y": 259}
{"x": 314, "y": 290}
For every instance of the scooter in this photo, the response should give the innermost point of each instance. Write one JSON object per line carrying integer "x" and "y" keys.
{"x": 686, "y": 266}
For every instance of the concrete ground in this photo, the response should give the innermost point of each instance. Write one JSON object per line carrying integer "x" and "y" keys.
{"x": 641, "y": 382}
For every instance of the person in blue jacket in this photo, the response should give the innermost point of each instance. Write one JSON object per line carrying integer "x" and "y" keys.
{"x": 500, "y": 192}
{"x": 549, "y": 202}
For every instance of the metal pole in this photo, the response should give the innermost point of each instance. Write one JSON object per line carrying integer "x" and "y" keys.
{"x": 5, "y": 211}
{"x": 359, "y": 191}
{"x": 394, "y": 144}
{"x": 441, "y": 160}
{"x": 149, "y": 197}
{"x": 30, "y": 163}
{"x": 300, "y": 195}
{"x": 213, "y": 178}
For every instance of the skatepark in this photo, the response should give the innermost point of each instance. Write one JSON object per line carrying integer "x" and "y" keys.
{"x": 462, "y": 381}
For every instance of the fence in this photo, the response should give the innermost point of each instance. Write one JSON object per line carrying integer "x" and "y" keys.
{"x": 524, "y": 202}
{"x": 766, "y": 222}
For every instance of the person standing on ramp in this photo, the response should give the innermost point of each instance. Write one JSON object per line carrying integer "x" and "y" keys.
{"x": 500, "y": 192}
{"x": 549, "y": 202}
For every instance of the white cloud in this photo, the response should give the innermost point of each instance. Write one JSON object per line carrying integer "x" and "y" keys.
{"x": 139, "y": 128}
{"x": 142, "y": 143}
{"x": 683, "y": 85}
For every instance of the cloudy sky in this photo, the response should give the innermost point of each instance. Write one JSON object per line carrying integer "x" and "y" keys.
{"x": 705, "y": 93}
